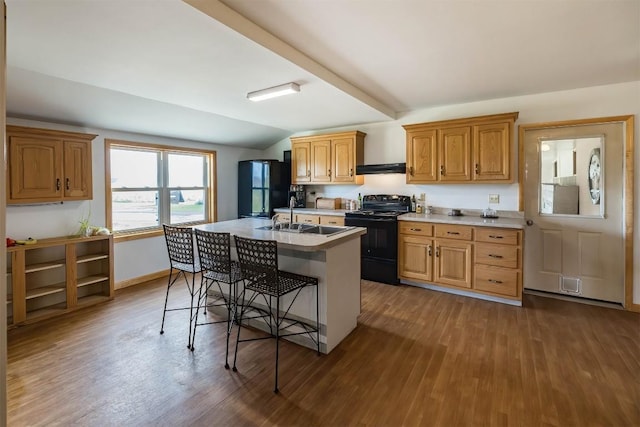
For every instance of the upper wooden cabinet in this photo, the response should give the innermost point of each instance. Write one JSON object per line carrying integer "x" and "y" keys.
{"x": 471, "y": 150}
{"x": 327, "y": 159}
{"x": 47, "y": 165}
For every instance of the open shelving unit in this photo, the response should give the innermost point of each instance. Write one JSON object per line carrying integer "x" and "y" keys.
{"x": 58, "y": 275}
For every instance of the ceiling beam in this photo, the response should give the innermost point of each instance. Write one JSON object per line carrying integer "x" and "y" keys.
{"x": 232, "y": 19}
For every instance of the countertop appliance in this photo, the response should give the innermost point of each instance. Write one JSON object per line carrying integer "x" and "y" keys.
{"x": 379, "y": 247}
{"x": 263, "y": 185}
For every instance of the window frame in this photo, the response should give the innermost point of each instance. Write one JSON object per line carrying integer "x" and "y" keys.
{"x": 164, "y": 190}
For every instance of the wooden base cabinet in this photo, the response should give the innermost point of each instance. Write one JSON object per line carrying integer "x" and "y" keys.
{"x": 58, "y": 275}
{"x": 484, "y": 260}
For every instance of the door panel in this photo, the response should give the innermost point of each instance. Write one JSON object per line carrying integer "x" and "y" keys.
{"x": 321, "y": 161}
{"x": 581, "y": 255}
{"x": 454, "y": 145}
{"x": 343, "y": 162}
{"x": 422, "y": 156}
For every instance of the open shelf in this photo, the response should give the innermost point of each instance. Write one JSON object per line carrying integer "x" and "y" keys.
{"x": 84, "y": 281}
{"x": 49, "y": 311}
{"x": 92, "y": 299}
{"x": 56, "y": 276}
{"x": 44, "y": 266}
{"x": 45, "y": 290}
{"x": 92, "y": 257}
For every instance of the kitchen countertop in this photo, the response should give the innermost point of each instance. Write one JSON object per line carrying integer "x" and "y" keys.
{"x": 305, "y": 242}
{"x": 470, "y": 218}
{"x": 464, "y": 220}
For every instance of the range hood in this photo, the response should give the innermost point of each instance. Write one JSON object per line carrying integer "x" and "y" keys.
{"x": 384, "y": 168}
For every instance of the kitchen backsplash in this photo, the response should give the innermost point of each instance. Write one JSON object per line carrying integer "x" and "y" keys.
{"x": 445, "y": 196}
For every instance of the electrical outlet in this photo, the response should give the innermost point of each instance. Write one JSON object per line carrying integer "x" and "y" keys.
{"x": 422, "y": 196}
{"x": 494, "y": 198}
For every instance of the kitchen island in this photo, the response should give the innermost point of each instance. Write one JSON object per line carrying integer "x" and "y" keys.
{"x": 334, "y": 259}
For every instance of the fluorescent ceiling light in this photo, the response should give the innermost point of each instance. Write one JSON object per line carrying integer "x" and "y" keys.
{"x": 272, "y": 92}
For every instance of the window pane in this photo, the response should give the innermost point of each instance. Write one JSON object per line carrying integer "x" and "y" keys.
{"x": 258, "y": 201}
{"x": 186, "y": 170}
{"x": 134, "y": 209}
{"x": 187, "y": 206}
{"x": 133, "y": 168}
{"x": 257, "y": 176}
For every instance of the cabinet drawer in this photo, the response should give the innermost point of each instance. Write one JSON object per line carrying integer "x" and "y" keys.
{"x": 499, "y": 255}
{"x": 415, "y": 228}
{"x": 496, "y": 280}
{"x": 458, "y": 232}
{"x": 308, "y": 219}
{"x": 497, "y": 235}
{"x": 331, "y": 220}
{"x": 283, "y": 217}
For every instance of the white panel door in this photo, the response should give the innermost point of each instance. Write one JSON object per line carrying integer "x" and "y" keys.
{"x": 579, "y": 254}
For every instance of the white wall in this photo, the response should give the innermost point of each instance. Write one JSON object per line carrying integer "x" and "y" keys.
{"x": 385, "y": 143}
{"x": 132, "y": 258}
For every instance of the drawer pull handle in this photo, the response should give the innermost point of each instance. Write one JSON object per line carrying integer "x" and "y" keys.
{"x": 477, "y": 168}
{"x": 453, "y": 232}
{"x": 499, "y": 282}
{"x": 441, "y": 169}
{"x": 57, "y": 183}
{"x": 415, "y": 229}
{"x": 429, "y": 251}
{"x": 437, "y": 251}
{"x": 411, "y": 170}
{"x": 332, "y": 222}
{"x": 495, "y": 256}
{"x": 351, "y": 172}
{"x": 67, "y": 184}
{"x": 495, "y": 237}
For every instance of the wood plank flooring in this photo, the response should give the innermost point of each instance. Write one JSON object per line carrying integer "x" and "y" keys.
{"x": 417, "y": 358}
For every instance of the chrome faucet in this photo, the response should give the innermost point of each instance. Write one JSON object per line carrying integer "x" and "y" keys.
{"x": 292, "y": 204}
{"x": 274, "y": 221}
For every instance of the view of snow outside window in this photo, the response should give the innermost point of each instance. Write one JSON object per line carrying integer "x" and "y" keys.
{"x": 139, "y": 200}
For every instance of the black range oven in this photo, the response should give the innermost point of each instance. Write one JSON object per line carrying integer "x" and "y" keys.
{"x": 379, "y": 247}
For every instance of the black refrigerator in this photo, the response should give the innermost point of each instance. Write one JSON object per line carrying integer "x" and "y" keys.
{"x": 263, "y": 185}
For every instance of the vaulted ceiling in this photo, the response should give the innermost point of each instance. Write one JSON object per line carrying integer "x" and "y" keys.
{"x": 183, "y": 68}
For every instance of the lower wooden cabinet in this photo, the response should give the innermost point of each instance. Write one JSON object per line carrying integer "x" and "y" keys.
{"x": 453, "y": 263}
{"x": 485, "y": 260}
{"x": 319, "y": 219}
{"x": 58, "y": 275}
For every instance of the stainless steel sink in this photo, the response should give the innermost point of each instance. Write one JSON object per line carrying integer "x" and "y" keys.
{"x": 324, "y": 230}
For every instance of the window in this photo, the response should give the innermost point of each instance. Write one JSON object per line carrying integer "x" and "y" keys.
{"x": 148, "y": 186}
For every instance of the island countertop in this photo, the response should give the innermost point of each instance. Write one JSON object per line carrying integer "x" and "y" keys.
{"x": 305, "y": 242}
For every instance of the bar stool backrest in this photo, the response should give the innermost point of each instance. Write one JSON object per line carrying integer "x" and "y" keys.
{"x": 180, "y": 247}
{"x": 258, "y": 261}
{"x": 214, "y": 249}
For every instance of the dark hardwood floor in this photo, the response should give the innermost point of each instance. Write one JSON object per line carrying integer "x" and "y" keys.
{"x": 417, "y": 358}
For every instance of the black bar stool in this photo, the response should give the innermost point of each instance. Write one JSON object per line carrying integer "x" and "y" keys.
{"x": 214, "y": 251}
{"x": 259, "y": 265}
{"x": 183, "y": 264}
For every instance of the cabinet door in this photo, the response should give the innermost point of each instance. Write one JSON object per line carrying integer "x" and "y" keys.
{"x": 35, "y": 168}
{"x": 453, "y": 263}
{"x": 454, "y": 149}
{"x": 321, "y": 161}
{"x": 491, "y": 152}
{"x": 422, "y": 161}
{"x": 77, "y": 170}
{"x": 415, "y": 258}
{"x": 300, "y": 162}
{"x": 343, "y": 152}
